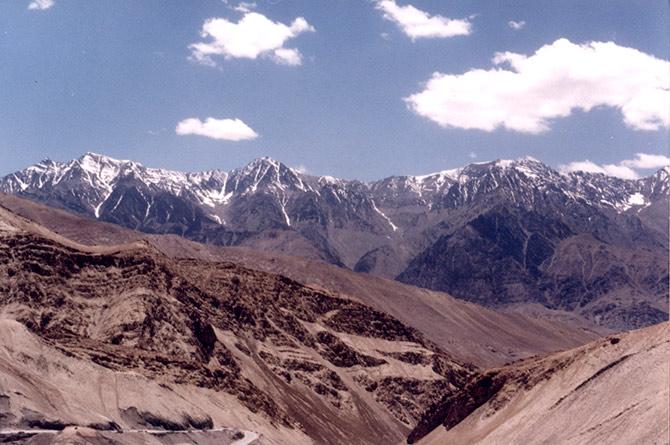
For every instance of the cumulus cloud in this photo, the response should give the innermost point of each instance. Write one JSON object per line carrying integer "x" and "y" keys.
{"x": 40, "y": 5}
{"x": 418, "y": 24}
{"x": 252, "y": 37}
{"x": 626, "y": 169}
{"x": 222, "y": 129}
{"x": 646, "y": 161}
{"x": 516, "y": 25}
{"x": 618, "y": 170}
{"x": 524, "y": 93}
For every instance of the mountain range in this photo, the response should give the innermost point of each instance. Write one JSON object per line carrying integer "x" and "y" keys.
{"x": 111, "y": 336}
{"x": 516, "y": 234}
{"x": 468, "y": 331}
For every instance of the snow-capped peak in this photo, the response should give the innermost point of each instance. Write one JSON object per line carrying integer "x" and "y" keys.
{"x": 93, "y": 157}
{"x": 266, "y": 174}
{"x": 93, "y": 178}
{"x": 263, "y": 162}
{"x": 440, "y": 176}
{"x": 527, "y": 161}
{"x": 100, "y": 167}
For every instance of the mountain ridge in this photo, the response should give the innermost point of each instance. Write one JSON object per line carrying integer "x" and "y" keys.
{"x": 504, "y": 219}
{"x": 210, "y": 187}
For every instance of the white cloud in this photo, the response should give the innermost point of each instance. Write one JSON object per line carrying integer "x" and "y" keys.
{"x": 516, "y": 25}
{"x": 252, "y": 37}
{"x": 223, "y": 129}
{"x": 626, "y": 169}
{"x": 40, "y": 5}
{"x": 618, "y": 170}
{"x": 550, "y": 84}
{"x": 287, "y": 56}
{"x": 301, "y": 169}
{"x": 419, "y": 24}
{"x": 646, "y": 161}
{"x": 245, "y": 7}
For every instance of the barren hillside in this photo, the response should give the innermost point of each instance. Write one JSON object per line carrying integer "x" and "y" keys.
{"x": 611, "y": 391}
{"x": 467, "y": 331}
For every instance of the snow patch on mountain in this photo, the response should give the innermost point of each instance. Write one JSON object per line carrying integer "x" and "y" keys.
{"x": 386, "y": 218}
{"x": 636, "y": 199}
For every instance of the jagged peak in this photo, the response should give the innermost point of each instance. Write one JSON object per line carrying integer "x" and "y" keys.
{"x": 528, "y": 159}
{"x": 264, "y": 161}
{"x": 450, "y": 174}
{"x": 267, "y": 161}
{"x": 527, "y": 164}
{"x": 260, "y": 167}
{"x": 93, "y": 155}
{"x": 44, "y": 164}
{"x": 267, "y": 172}
{"x": 90, "y": 156}
{"x": 327, "y": 179}
{"x": 508, "y": 163}
{"x": 661, "y": 177}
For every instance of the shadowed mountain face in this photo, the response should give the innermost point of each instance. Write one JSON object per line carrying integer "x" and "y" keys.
{"x": 329, "y": 368}
{"x": 504, "y": 233}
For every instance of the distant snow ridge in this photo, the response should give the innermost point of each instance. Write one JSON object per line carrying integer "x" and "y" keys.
{"x": 98, "y": 185}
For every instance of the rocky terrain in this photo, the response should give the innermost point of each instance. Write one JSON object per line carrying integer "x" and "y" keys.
{"x": 52, "y": 397}
{"x": 469, "y": 332}
{"x": 506, "y": 234}
{"x": 155, "y": 339}
{"x": 612, "y": 391}
{"x": 88, "y": 328}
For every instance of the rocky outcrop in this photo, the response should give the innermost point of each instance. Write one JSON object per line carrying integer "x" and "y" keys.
{"x": 283, "y": 350}
{"x": 451, "y": 410}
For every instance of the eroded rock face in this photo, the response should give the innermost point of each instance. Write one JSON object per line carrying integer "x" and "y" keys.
{"x": 284, "y": 350}
{"x": 452, "y": 409}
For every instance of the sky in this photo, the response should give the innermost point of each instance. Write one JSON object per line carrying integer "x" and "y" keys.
{"x": 351, "y": 88}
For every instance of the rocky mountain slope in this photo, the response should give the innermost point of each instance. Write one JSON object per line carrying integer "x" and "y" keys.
{"x": 579, "y": 243}
{"x": 123, "y": 337}
{"x": 130, "y": 343}
{"x": 49, "y": 396}
{"x": 469, "y": 332}
{"x": 612, "y": 391}
{"x": 503, "y": 234}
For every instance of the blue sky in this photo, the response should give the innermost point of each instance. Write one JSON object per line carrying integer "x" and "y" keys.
{"x": 117, "y": 77}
